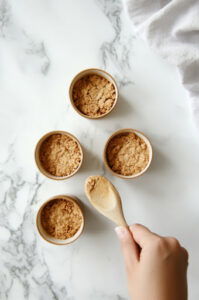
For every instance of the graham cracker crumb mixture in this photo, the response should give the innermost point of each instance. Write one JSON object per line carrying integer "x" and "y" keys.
{"x": 127, "y": 154}
{"x": 61, "y": 218}
{"x": 91, "y": 183}
{"x": 94, "y": 95}
{"x": 60, "y": 155}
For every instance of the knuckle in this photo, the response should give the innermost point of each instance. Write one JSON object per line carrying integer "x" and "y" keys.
{"x": 168, "y": 247}
{"x": 173, "y": 242}
{"x": 159, "y": 243}
{"x": 163, "y": 248}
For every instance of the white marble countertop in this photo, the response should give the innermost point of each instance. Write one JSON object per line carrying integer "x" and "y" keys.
{"x": 43, "y": 44}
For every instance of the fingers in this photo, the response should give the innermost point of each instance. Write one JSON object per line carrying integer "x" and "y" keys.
{"x": 128, "y": 245}
{"x": 142, "y": 235}
{"x": 176, "y": 244}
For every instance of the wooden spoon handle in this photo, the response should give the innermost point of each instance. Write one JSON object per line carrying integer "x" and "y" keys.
{"x": 122, "y": 222}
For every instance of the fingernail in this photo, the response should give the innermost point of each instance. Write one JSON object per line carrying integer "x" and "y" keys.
{"x": 120, "y": 231}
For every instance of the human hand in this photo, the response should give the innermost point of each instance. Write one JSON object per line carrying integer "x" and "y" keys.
{"x": 156, "y": 266}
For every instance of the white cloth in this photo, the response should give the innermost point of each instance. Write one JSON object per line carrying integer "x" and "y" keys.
{"x": 171, "y": 27}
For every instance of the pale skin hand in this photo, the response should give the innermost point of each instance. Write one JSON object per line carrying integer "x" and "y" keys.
{"x": 156, "y": 266}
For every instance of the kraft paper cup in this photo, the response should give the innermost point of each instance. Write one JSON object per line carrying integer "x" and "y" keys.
{"x": 37, "y": 155}
{"x": 94, "y": 72}
{"x": 48, "y": 237}
{"x": 142, "y": 136}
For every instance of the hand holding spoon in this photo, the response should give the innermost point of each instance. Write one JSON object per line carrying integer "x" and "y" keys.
{"x": 105, "y": 198}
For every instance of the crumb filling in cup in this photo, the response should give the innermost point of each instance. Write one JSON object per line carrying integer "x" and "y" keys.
{"x": 93, "y": 93}
{"x": 58, "y": 155}
{"x": 60, "y": 220}
{"x": 127, "y": 153}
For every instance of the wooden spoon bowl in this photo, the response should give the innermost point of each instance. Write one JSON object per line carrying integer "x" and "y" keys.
{"x": 105, "y": 198}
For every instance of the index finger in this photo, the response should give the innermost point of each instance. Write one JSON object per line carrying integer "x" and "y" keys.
{"x": 142, "y": 235}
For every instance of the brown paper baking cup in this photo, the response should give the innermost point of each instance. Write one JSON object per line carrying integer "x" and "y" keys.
{"x": 142, "y": 136}
{"x": 51, "y": 239}
{"x": 37, "y": 155}
{"x": 99, "y": 72}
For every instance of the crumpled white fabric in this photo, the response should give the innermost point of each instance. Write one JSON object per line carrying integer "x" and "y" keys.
{"x": 171, "y": 27}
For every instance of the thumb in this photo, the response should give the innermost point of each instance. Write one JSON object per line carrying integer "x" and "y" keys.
{"x": 128, "y": 245}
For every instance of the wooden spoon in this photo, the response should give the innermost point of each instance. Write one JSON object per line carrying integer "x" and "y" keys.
{"x": 105, "y": 198}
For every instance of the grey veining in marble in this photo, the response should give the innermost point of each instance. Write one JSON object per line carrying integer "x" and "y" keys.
{"x": 32, "y": 51}
{"x": 115, "y": 53}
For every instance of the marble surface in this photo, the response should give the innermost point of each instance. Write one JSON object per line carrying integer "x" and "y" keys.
{"x": 43, "y": 44}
